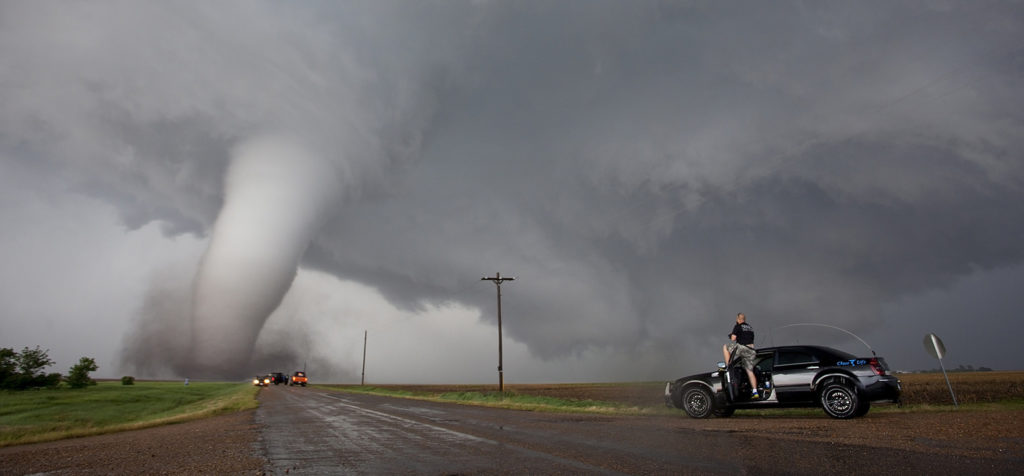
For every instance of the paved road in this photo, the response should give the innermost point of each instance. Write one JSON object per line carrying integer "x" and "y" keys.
{"x": 311, "y": 431}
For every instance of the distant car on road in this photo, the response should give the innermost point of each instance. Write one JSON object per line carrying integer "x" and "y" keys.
{"x": 299, "y": 378}
{"x": 261, "y": 380}
{"x": 278, "y": 378}
{"x": 789, "y": 376}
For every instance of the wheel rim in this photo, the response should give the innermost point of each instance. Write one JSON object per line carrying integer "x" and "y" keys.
{"x": 838, "y": 401}
{"x": 697, "y": 402}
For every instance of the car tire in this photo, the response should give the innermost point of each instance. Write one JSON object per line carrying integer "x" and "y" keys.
{"x": 840, "y": 401}
{"x": 698, "y": 402}
{"x": 863, "y": 408}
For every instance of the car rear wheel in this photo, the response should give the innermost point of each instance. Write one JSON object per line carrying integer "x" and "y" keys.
{"x": 840, "y": 401}
{"x": 863, "y": 408}
{"x": 697, "y": 402}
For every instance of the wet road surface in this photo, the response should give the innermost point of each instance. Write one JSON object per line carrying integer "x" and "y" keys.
{"x": 312, "y": 431}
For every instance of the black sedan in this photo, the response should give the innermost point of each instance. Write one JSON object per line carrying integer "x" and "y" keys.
{"x": 789, "y": 376}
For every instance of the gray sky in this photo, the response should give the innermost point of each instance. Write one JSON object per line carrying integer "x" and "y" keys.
{"x": 645, "y": 169}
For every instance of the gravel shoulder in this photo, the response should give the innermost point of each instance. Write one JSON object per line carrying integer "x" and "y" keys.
{"x": 225, "y": 444}
{"x": 996, "y": 434}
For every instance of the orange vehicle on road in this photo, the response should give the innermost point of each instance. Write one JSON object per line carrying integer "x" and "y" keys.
{"x": 299, "y": 378}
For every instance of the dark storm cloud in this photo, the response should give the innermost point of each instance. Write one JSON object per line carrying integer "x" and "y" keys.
{"x": 647, "y": 173}
{"x": 647, "y": 169}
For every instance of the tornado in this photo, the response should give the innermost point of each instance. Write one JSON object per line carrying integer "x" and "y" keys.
{"x": 276, "y": 193}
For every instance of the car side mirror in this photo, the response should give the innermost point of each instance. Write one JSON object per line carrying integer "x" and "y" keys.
{"x": 721, "y": 366}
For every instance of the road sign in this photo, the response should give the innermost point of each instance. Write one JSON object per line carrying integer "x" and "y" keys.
{"x": 934, "y": 346}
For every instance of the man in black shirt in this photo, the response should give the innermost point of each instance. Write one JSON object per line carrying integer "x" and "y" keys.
{"x": 741, "y": 339}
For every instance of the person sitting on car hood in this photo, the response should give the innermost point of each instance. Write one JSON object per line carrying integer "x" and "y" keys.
{"x": 741, "y": 339}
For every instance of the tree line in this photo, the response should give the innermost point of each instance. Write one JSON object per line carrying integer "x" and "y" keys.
{"x": 27, "y": 369}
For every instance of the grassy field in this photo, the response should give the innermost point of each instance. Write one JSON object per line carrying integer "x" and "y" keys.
{"x": 557, "y": 397}
{"x": 45, "y": 415}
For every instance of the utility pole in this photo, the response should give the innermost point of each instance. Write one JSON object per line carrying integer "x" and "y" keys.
{"x": 363, "y": 380}
{"x": 497, "y": 279}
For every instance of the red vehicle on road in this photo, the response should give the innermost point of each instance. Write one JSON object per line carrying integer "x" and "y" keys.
{"x": 299, "y": 378}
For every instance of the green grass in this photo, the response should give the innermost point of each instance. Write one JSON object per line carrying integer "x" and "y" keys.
{"x": 535, "y": 402}
{"x": 51, "y": 414}
{"x": 509, "y": 400}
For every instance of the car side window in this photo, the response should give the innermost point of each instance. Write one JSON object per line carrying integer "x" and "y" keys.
{"x": 790, "y": 357}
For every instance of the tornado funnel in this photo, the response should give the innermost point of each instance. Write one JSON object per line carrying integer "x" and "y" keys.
{"x": 275, "y": 195}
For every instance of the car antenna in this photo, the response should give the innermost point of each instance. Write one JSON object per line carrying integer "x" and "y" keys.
{"x": 831, "y": 327}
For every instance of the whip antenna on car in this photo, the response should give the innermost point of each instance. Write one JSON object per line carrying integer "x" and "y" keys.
{"x": 831, "y": 327}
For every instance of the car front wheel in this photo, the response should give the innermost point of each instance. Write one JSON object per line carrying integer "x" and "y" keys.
{"x": 840, "y": 401}
{"x": 697, "y": 402}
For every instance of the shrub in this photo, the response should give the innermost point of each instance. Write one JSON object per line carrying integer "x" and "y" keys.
{"x": 19, "y": 371}
{"x": 78, "y": 375}
{"x": 51, "y": 380}
{"x": 127, "y": 380}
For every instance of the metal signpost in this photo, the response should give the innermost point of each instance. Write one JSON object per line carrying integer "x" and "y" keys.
{"x": 934, "y": 346}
